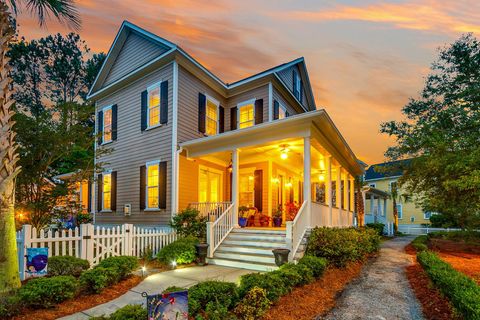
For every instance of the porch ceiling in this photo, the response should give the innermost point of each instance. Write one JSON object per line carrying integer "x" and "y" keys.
{"x": 266, "y": 139}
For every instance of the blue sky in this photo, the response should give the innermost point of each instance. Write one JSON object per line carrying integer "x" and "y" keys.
{"x": 365, "y": 58}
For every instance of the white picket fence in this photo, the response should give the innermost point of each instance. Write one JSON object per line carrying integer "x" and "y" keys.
{"x": 419, "y": 230}
{"x": 93, "y": 243}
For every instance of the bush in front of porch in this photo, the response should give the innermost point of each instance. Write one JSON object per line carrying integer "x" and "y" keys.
{"x": 181, "y": 251}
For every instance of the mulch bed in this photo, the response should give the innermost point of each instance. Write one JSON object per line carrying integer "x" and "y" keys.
{"x": 82, "y": 302}
{"x": 434, "y": 305}
{"x": 316, "y": 298}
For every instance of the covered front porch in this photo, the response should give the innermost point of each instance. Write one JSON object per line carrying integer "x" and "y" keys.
{"x": 295, "y": 173}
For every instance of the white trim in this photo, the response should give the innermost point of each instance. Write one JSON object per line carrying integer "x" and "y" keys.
{"x": 148, "y": 164}
{"x": 109, "y": 107}
{"x": 104, "y": 173}
{"x": 175, "y": 156}
{"x": 270, "y": 101}
{"x": 244, "y": 104}
{"x": 150, "y": 88}
{"x": 384, "y": 178}
{"x": 217, "y": 103}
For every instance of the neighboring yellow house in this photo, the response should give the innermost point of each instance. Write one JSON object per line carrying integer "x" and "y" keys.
{"x": 408, "y": 212}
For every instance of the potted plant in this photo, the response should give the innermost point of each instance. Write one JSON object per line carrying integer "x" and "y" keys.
{"x": 243, "y": 216}
{"x": 277, "y": 217}
{"x": 264, "y": 220}
{"x": 292, "y": 210}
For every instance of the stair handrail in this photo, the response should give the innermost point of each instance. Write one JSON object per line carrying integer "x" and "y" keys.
{"x": 219, "y": 229}
{"x": 294, "y": 237}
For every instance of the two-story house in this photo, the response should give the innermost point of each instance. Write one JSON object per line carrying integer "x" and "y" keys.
{"x": 179, "y": 136}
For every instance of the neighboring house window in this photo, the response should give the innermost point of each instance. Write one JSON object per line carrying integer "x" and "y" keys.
{"x": 153, "y": 105}
{"x": 152, "y": 185}
{"x": 393, "y": 184}
{"x": 246, "y": 115}
{"x": 399, "y": 211}
{"x": 412, "y": 219}
{"x": 211, "y": 118}
{"x": 282, "y": 112}
{"x": 373, "y": 185}
{"x": 107, "y": 192}
{"x": 107, "y": 124}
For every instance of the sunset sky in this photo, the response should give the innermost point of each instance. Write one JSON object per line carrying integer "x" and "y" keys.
{"x": 365, "y": 58}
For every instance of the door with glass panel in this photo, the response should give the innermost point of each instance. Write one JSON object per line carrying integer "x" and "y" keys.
{"x": 210, "y": 191}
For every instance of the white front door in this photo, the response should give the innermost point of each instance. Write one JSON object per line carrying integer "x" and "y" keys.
{"x": 210, "y": 186}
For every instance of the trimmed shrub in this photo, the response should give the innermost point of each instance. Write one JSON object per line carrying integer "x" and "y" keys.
{"x": 420, "y": 243}
{"x": 467, "y": 236}
{"x": 315, "y": 264}
{"x": 377, "y": 227}
{"x": 124, "y": 265}
{"x": 273, "y": 283}
{"x": 182, "y": 251}
{"x": 295, "y": 274}
{"x": 98, "y": 278}
{"x": 10, "y": 305}
{"x": 129, "y": 312}
{"x": 66, "y": 266}
{"x": 461, "y": 290}
{"x": 217, "y": 311}
{"x": 223, "y": 293}
{"x": 173, "y": 289}
{"x": 47, "y": 292}
{"x": 342, "y": 245}
{"x": 254, "y": 305}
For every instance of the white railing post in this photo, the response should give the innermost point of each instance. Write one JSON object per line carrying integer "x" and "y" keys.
{"x": 307, "y": 191}
{"x": 27, "y": 237}
{"x": 210, "y": 239}
{"x": 289, "y": 239}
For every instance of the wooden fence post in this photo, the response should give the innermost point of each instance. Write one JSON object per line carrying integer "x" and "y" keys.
{"x": 127, "y": 230}
{"x": 86, "y": 242}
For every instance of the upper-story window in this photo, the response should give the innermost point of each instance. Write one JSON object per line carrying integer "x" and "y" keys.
{"x": 282, "y": 112}
{"x": 107, "y": 191}
{"x": 107, "y": 124}
{"x": 373, "y": 185}
{"x": 153, "y": 107}
{"x": 152, "y": 185}
{"x": 211, "y": 118}
{"x": 246, "y": 114}
{"x": 297, "y": 86}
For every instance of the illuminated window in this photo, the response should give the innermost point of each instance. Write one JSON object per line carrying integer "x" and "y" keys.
{"x": 210, "y": 185}
{"x": 282, "y": 112}
{"x": 212, "y": 117}
{"x": 152, "y": 185}
{"x": 153, "y": 101}
{"x": 107, "y": 191}
{"x": 246, "y": 115}
{"x": 246, "y": 192}
{"x": 107, "y": 125}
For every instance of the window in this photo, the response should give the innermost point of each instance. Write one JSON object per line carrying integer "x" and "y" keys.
{"x": 107, "y": 125}
{"x": 153, "y": 105}
{"x": 246, "y": 194}
{"x": 298, "y": 87}
{"x": 210, "y": 185}
{"x": 373, "y": 185}
{"x": 152, "y": 185}
{"x": 211, "y": 118}
{"x": 107, "y": 192}
{"x": 282, "y": 112}
{"x": 400, "y": 211}
{"x": 246, "y": 115}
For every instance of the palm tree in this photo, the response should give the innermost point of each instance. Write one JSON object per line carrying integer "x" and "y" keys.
{"x": 394, "y": 194}
{"x": 360, "y": 206}
{"x": 65, "y": 12}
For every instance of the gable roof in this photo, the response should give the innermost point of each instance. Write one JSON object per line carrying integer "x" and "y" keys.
{"x": 386, "y": 170}
{"x": 171, "y": 48}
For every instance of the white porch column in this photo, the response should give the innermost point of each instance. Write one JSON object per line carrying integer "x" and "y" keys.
{"x": 352, "y": 194}
{"x": 372, "y": 204}
{"x": 385, "y": 208}
{"x": 235, "y": 181}
{"x": 379, "y": 207}
{"x": 307, "y": 192}
{"x": 345, "y": 190}
{"x": 338, "y": 188}
{"x": 328, "y": 187}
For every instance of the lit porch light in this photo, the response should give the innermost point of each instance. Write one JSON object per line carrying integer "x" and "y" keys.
{"x": 284, "y": 151}
{"x": 321, "y": 177}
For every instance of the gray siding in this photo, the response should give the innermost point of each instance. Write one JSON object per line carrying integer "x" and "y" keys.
{"x": 257, "y": 93}
{"x": 135, "y": 52}
{"x": 287, "y": 76}
{"x": 133, "y": 148}
{"x": 189, "y": 87}
{"x": 279, "y": 97}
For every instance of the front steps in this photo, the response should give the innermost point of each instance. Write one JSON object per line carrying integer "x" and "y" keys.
{"x": 249, "y": 249}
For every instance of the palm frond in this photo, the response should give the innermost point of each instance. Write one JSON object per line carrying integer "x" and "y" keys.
{"x": 64, "y": 10}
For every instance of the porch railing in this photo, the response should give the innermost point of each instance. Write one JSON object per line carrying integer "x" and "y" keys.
{"x": 296, "y": 229}
{"x": 212, "y": 210}
{"x": 218, "y": 230}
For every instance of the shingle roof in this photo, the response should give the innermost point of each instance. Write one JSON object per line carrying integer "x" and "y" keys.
{"x": 386, "y": 169}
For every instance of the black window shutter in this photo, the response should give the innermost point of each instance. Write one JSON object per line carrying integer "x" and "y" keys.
{"x": 294, "y": 73}
{"x": 144, "y": 96}
{"x": 162, "y": 185}
{"x": 164, "y": 102}
{"x": 143, "y": 182}
{"x": 202, "y": 112}
{"x": 114, "y": 121}
{"x": 99, "y": 192}
{"x": 287, "y": 114}
{"x": 113, "y": 194}
{"x": 221, "y": 121}
{"x": 258, "y": 189}
{"x": 233, "y": 118}
{"x": 291, "y": 194}
{"x": 276, "y": 107}
{"x": 100, "y": 127}
{"x": 89, "y": 195}
{"x": 258, "y": 111}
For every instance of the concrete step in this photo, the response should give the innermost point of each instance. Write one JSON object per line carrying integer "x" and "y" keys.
{"x": 258, "y": 231}
{"x": 242, "y": 264}
{"x": 257, "y": 237}
{"x": 255, "y": 243}
{"x": 247, "y": 257}
{"x": 253, "y": 249}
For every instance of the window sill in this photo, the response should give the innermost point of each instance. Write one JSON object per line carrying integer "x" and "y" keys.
{"x": 105, "y": 143}
{"x": 106, "y": 211}
{"x": 153, "y": 127}
{"x": 152, "y": 209}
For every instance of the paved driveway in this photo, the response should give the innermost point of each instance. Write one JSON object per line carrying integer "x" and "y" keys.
{"x": 158, "y": 282}
{"x": 382, "y": 291}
